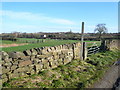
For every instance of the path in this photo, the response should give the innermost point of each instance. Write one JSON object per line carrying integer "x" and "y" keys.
{"x": 12, "y": 45}
{"x": 108, "y": 79}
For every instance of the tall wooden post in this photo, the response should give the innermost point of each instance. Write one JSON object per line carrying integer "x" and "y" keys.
{"x": 82, "y": 39}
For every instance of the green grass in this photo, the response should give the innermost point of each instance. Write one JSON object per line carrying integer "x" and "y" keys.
{"x": 21, "y": 40}
{"x": 36, "y": 45}
{"x": 8, "y": 42}
{"x": 76, "y": 74}
{"x": 47, "y": 42}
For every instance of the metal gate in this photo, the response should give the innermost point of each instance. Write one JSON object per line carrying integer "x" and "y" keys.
{"x": 94, "y": 49}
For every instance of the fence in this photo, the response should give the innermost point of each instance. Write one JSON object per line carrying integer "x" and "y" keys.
{"x": 105, "y": 45}
{"x": 93, "y": 50}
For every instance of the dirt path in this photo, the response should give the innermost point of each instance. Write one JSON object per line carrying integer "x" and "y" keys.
{"x": 12, "y": 45}
{"x": 108, "y": 79}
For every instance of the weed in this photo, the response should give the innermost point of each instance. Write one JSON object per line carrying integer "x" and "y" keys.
{"x": 57, "y": 83}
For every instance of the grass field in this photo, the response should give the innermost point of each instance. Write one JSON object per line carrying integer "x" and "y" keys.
{"x": 32, "y": 43}
{"x": 76, "y": 74}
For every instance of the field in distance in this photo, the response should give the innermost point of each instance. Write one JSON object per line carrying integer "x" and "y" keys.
{"x": 27, "y": 43}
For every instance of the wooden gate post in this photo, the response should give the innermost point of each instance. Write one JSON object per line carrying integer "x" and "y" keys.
{"x": 82, "y": 39}
{"x": 84, "y": 51}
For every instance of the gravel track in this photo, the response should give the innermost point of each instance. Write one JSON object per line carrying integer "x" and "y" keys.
{"x": 108, "y": 79}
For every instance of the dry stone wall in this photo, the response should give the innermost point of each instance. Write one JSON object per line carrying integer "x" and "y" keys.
{"x": 113, "y": 44}
{"x": 28, "y": 62}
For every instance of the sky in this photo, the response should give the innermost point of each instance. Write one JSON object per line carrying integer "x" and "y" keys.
{"x": 32, "y": 17}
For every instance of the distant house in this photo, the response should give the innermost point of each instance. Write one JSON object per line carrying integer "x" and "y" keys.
{"x": 43, "y": 36}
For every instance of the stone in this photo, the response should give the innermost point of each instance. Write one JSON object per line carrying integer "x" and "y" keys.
{"x": 20, "y": 54}
{"x": 46, "y": 66}
{"x": 30, "y": 67}
{"x": 2, "y": 63}
{"x": 55, "y": 57}
{"x": 50, "y": 58}
{"x": 8, "y": 64}
{"x": 55, "y": 47}
{"x": 4, "y": 80}
{"x": 44, "y": 61}
{"x": 25, "y": 58}
{"x": 36, "y": 61}
{"x": 15, "y": 62}
{"x": 70, "y": 46}
{"x": 38, "y": 50}
{"x": 16, "y": 55}
{"x": 69, "y": 59}
{"x": 60, "y": 62}
{"x": 49, "y": 49}
{"x": 25, "y": 63}
{"x": 5, "y": 70}
{"x": 62, "y": 56}
{"x": 33, "y": 52}
{"x": 0, "y": 69}
{"x": 9, "y": 72}
{"x": 38, "y": 67}
{"x": 8, "y": 60}
{"x": 32, "y": 58}
{"x": 13, "y": 67}
{"x": 60, "y": 46}
{"x": 70, "y": 54}
{"x": 64, "y": 46}
{"x": 65, "y": 61}
{"x": 64, "y": 51}
{"x": 28, "y": 73}
{"x": 56, "y": 62}
{"x": 22, "y": 69}
{"x": 32, "y": 71}
{"x": 59, "y": 52}
{"x": 52, "y": 64}
{"x": 52, "y": 48}
{"x": 14, "y": 75}
{"x": 4, "y": 55}
{"x": 44, "y": 52}
{"x": 4, "y": 76}
{"x": 40, "y": 56}
{"x": 27, "y": 52}
{"x": 22, "y": 74}
{"x": 15, "y": 71}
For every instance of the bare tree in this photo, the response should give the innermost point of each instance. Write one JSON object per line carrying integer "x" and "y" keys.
{"x": 100, "y": 29}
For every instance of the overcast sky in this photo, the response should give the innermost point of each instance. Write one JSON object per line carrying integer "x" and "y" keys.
{"x": 58, "y": 16}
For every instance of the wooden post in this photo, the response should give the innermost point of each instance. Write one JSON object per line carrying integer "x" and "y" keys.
{"x": 84, "y": 51}
{"x": 82, "y": 39}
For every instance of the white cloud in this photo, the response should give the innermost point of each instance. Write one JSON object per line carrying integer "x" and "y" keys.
{"x": 62, "y": 21}
{"x": 28, "y": 16}
{"x": 91, "y": 27}
{"x": 31, "y": 22}
{"x": 12, "y": 27}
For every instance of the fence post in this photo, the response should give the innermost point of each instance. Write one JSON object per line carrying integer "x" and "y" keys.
{"x": 103, "y": 46}
{"x": 82, "y": 38}
{"x": 84, "y": 51}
